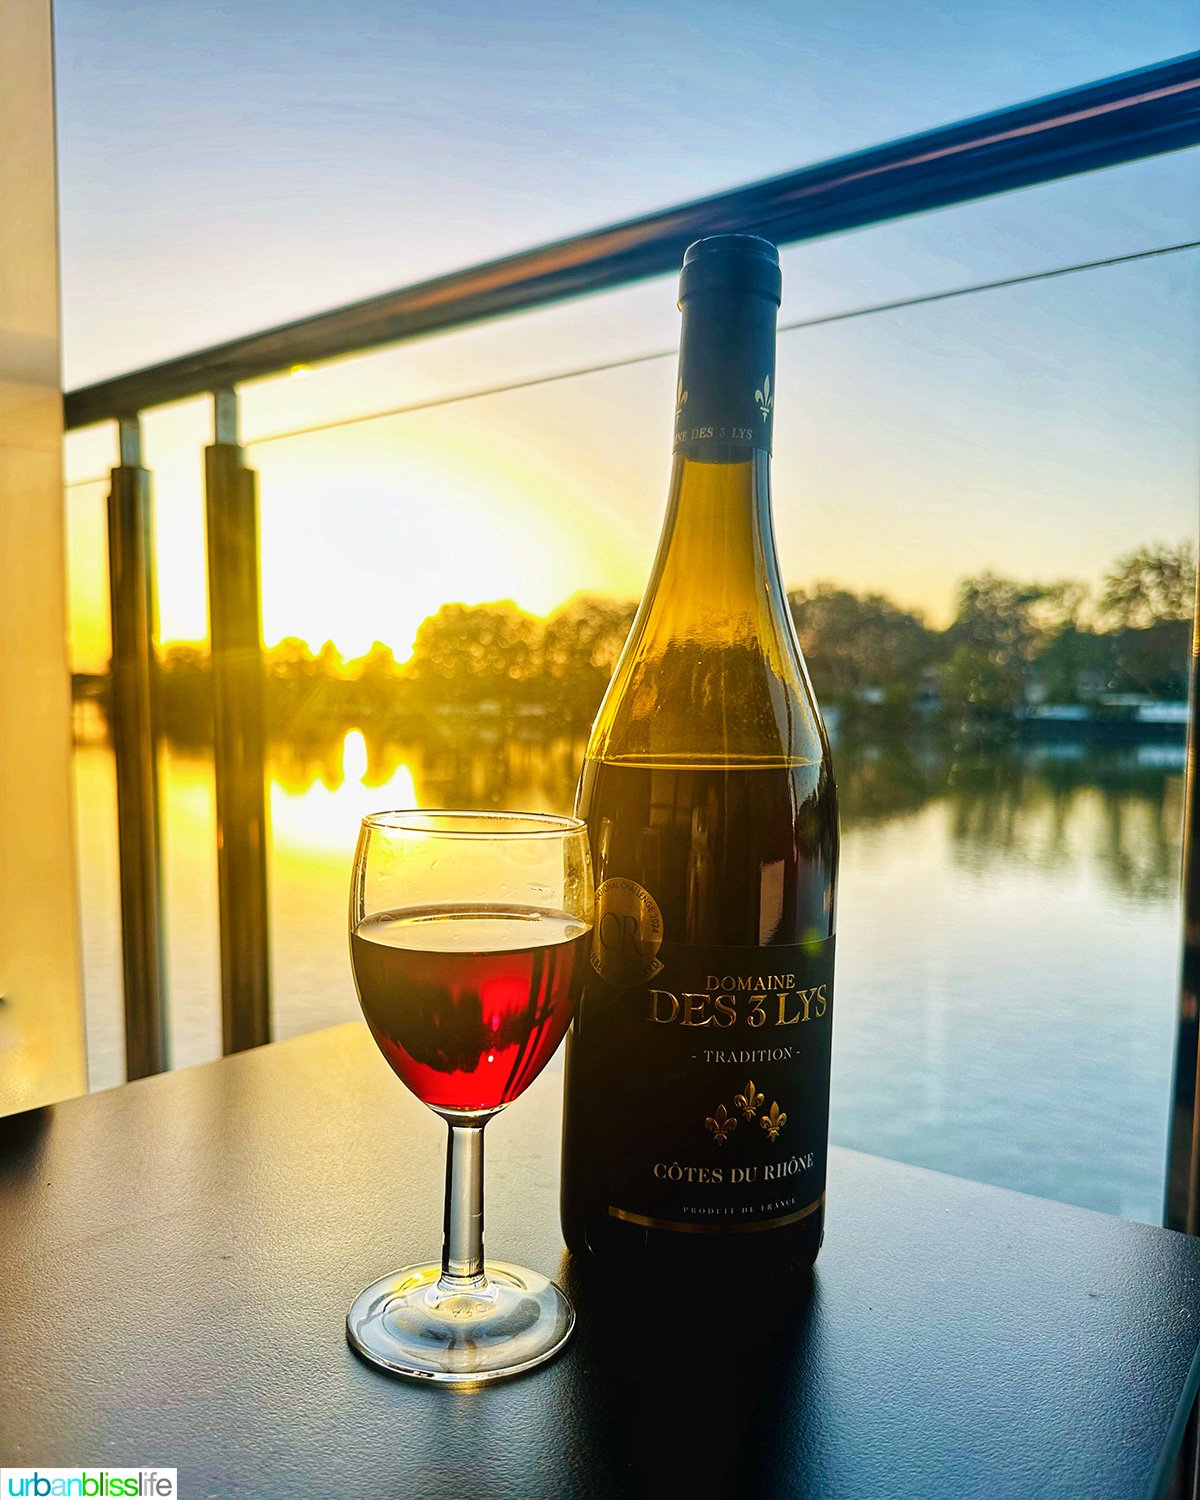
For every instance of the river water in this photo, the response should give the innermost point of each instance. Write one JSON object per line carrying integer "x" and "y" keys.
{"x": 1008, "y": 943}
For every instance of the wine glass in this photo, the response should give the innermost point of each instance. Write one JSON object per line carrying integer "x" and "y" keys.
{"x": 469, "y": 936}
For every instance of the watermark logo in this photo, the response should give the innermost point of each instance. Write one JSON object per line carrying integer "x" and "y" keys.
{"x": 89, "y": 1484}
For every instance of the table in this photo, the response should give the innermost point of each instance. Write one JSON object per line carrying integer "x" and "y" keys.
{"x": 177, "y": 1256}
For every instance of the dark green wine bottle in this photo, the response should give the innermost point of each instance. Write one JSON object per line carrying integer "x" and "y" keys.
{"x": 697, "y": 1075}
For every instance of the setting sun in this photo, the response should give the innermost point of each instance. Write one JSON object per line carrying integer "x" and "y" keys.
{"x": 416, "y": 525}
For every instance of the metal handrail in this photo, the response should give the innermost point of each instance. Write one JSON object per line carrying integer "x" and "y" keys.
{"x": 1102, "y": 124}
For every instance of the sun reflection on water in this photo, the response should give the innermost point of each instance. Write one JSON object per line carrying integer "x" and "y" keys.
{"x": 354, "y": 756}
{"x": 322, "y": 821}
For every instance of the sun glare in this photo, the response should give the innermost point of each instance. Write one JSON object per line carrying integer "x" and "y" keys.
{"x": 354, "y": 756}
{"x": 404, "y": 529}
{"x": 319, "y": 823}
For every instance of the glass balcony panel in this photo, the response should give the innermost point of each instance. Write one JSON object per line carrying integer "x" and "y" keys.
{"x": 1009, "y": 915}
{"x": 1009, "y": 912}
{"x": 1118, "y": 212}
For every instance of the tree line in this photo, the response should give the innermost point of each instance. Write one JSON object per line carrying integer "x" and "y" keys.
{"x": 1009, "y": 644}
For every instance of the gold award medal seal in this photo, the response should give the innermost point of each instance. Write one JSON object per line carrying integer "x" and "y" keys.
{"x": 628, "y": 933}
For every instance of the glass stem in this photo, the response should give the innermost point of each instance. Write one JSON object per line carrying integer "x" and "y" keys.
{"x": 462, "y": 1244}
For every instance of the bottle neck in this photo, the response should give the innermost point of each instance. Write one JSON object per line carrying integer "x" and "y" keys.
{"x": 717, "y": 569}
{"x": 716, "y": 576}
{"x": 712, "y": 668}
{"x": 716, "y": 560}
{"x": 712, "y": 662}
{"x": 725, "y": 395}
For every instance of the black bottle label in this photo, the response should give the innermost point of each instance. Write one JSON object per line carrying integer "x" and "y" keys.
{"x": 725, "y": 397}
{"x": 707, "y": 1073}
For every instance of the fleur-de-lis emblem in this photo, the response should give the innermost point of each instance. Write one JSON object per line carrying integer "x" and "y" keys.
{"x": 680, "y": 397}
{"x": 722, "y": 1124}
{"x": 773, "y": 1121}
{"x": 748, "y": 1101}
{"x": 764, "y": 397}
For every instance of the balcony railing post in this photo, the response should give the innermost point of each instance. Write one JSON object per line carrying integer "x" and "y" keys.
{"x": 131, "y": 591}
{"x": 235, "y": 616}
{"x": 1183, "y": 1157}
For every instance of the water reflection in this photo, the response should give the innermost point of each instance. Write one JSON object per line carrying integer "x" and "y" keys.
{"x": 435, "y": 771}
{"x": 1117, "y": 810}
{"x": 1033, "y": 804}
{"x": 1008, "y": 944}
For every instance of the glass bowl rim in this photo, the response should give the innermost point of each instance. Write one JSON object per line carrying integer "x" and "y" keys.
{"x": 410, "y": 820}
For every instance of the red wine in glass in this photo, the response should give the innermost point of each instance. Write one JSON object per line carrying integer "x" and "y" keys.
{"x": 468, "y": 1003}
{"x": 470, "y": 930}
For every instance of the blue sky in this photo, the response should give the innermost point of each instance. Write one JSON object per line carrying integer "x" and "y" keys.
{"x": 224, "y": 168}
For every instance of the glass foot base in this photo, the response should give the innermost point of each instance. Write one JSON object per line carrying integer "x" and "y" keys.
{"x": 405, "y": 1324}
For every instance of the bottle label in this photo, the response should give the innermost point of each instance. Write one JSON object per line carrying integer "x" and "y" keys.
{"x": 725, "y": 396}
{"x": 708, "y": 1072}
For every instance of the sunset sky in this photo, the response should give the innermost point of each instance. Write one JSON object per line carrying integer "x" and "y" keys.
{"x": 224, "y": 171}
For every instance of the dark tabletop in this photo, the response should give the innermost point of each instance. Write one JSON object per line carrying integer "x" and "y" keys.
{"x": 177, "y": 1257}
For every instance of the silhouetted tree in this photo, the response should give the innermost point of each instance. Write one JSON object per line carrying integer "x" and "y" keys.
{"x": 183, "y": 692}
{"x": 378, "y": 665}
{"x": 305, "y": 693}
{"x": 1153, "y": 661}
{"x": 975, "y": 680}
{"x": 855, "y": 642}
{"x": 1009, "y": 643}
{"x": 997, "y": 616}
{"x": 579, "y": 649}
{"x": 1000, "y": 630}
{"x": 472, "y": 653}
{"x": 1148, "y": 587}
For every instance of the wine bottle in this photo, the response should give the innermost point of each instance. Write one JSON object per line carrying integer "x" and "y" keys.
{"x": 697, "y": 1075}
